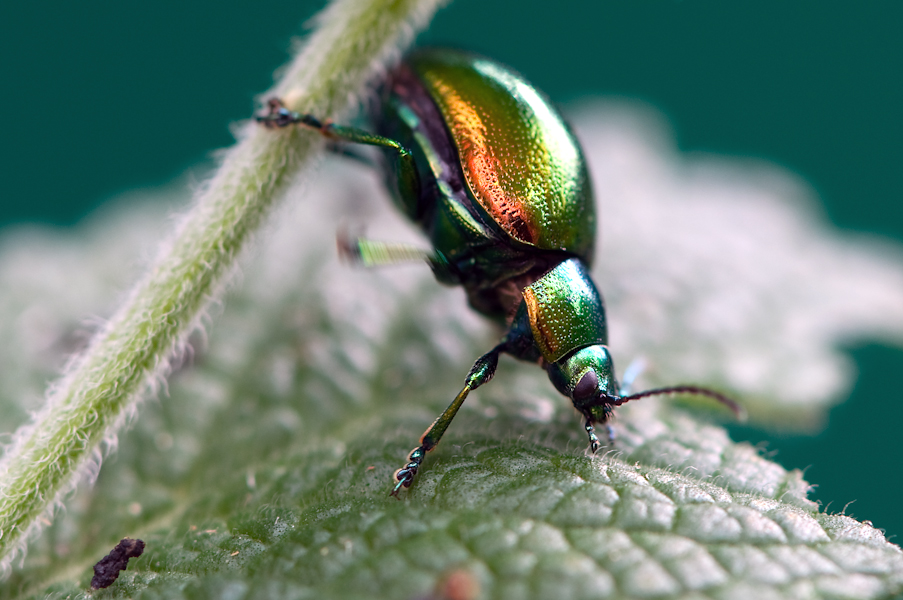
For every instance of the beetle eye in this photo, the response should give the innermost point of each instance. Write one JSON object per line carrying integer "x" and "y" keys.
{"x": 586, "y": 387}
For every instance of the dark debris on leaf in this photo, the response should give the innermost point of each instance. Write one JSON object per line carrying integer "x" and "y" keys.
{"x": 106, "y": 571}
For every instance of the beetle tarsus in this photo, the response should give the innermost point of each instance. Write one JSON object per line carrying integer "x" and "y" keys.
{"x": 405, "y": 475}
{"x": 405, "y": 478}
{"x": 280, "y": 116}
{"x": 593, "y": 438}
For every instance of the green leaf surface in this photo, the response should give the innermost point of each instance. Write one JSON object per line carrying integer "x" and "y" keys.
{"x": 262, "y": 468}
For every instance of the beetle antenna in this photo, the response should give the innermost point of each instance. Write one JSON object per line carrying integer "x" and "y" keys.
{"x": 692, "y": 390}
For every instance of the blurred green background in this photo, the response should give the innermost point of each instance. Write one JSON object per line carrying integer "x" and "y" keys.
{"x": 102, "y": 97}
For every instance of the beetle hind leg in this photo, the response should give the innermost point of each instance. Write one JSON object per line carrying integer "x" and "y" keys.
{"x": 405, "y": 169}
{"x": 280, "y": 116}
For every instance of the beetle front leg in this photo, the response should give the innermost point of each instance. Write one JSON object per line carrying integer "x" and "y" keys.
{"x": 591, "y": 433}
{"x": 594, "y": 438}
{"x": 590, "y": 426}
{"x": 481, "y": 372}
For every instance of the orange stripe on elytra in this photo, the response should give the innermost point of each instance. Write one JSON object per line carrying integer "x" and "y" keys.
{"x": 481, "y": 166}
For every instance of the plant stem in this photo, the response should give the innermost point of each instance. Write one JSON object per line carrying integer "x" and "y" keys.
{"x": 354, "y": 41}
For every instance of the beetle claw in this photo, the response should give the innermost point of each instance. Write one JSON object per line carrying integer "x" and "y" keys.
{"x": 593, "y": 438}
{"x": 280, "y": 116}
{"x": 405, "y": 477}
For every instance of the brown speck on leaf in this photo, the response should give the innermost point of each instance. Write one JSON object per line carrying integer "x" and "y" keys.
{"x": 106, "y": 571}
{"x": 459, "y": 584}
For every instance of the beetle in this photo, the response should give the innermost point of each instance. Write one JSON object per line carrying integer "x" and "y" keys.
{"x": 490, "y": 171}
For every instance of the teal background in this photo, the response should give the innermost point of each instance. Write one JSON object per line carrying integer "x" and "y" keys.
{"x": 101, "y": 97}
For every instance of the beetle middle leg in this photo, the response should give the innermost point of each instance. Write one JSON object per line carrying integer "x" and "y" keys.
{"x": 481, "y": 372}
{"x": 370, "y": 253}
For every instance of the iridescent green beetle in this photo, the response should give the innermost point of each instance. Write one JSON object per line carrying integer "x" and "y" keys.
{"x": 486, "y": 166}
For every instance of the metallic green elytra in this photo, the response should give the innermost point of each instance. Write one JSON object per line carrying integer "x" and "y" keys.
{"x": 521, "y": 163}
{"x": 486, "y": 166}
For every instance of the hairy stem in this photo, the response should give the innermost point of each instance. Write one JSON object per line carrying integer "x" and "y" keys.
{"x": 354, "y": 40}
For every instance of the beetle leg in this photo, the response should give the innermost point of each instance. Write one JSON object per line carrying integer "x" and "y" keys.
{"x": 408, "y": 180}
{"x": 589, "y": 425}
{"x": 370, "y": 253}
{"x": 591, "y": 433}
{"x": 279, "y": 116}
{"x": 481, "y": 372}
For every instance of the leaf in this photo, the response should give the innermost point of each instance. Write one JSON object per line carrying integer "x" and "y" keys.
{"x": 263, "y": 470}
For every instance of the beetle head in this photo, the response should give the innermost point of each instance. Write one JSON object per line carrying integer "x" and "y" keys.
{"x": 587, "y": 377}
